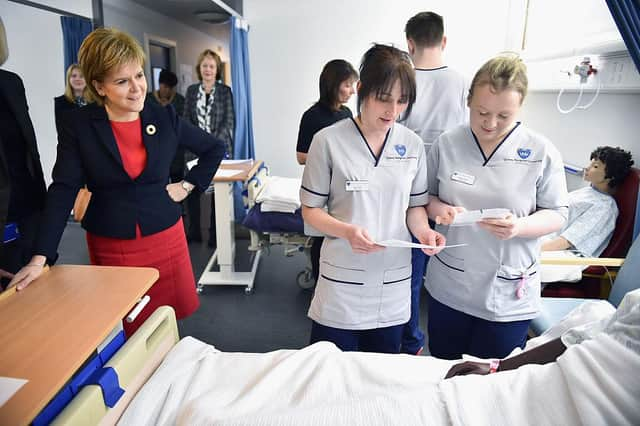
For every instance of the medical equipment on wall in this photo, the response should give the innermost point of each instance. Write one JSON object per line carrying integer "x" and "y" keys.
{"x": 584, "y": 70}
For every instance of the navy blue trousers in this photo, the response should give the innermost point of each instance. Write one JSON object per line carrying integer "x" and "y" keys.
{"x": 382, "y": 340}
{"x": 453, "y": 333}
{"x": 412, "y": 336}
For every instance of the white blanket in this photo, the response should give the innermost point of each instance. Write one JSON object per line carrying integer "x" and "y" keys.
{"x": 316, "y": 385}
{"x": 280, "y": 194}
{"x": 593, "y": 383}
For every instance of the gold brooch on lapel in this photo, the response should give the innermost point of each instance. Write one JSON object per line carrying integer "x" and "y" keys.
{"x": 150, "y": 129}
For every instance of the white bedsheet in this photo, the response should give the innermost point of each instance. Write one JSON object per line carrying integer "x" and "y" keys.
{"x": 593, "y": 383}
{"x": 280, "y": 194}
{"x": 317, "y": 385}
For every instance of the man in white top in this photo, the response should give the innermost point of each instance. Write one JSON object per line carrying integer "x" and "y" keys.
{"x": 441, "y": 95}
{"x": 441, "y": 104}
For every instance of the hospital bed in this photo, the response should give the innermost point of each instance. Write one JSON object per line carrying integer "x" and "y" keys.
{"x": 268, "y": 229}
{"x": 186, "y": 382}
{"x": 163, "y": 380}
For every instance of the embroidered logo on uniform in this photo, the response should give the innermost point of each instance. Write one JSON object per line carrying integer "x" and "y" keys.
{"x": 524, "y": 153}
{"x": 400, "y": 149}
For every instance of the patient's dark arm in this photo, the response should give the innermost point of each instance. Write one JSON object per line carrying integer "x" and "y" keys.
{"x": 543, "y": 354}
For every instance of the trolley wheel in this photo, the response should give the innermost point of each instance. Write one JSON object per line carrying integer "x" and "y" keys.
{"x": 305, "y": 280}
{"x": 199, "y": 289}
{"x": 248, "y": 291}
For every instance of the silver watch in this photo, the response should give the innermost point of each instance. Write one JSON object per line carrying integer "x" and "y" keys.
{"x": 187, "y": 186}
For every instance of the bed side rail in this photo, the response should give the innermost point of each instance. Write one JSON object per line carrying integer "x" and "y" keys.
{"x": 134, "y": 363}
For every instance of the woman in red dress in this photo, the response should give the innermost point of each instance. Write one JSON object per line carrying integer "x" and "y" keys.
{"x": 121, "y": 147}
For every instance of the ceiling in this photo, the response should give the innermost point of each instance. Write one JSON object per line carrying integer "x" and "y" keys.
{"x": 186, "y": 11}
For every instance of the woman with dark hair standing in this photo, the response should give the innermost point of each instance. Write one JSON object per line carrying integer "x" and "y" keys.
{"x": 336, "y": 88}
{"x": 208, "y": 105}
{"x": 370, "y": 173}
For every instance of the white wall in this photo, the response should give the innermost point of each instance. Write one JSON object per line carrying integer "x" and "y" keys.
{"x": 138, "y": 21}
{"x": 41, "y": 68}
{"x": 291, "y": 40}
{"x": 612, "y": 120}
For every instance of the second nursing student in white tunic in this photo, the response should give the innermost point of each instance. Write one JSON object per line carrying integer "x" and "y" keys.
{"x": 370, "y": 174}
{"x": 483, "y": 295}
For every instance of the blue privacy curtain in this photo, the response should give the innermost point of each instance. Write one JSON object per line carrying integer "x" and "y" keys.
{"x": 240, "y": 79}
{"x": 74, "y": 30}
{"x": 626, "y": 14}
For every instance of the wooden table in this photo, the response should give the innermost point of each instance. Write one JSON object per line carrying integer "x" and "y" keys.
{"x": 224, "y": 255}
{"x": 49, "y": 329}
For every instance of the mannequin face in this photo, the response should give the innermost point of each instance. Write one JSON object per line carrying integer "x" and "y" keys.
{"x": 595, "y": 173}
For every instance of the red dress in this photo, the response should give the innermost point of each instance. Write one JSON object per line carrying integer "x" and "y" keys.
{"x": 166, "y": 250}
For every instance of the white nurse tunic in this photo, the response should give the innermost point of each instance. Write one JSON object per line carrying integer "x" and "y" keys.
{"x": 364, "y": 291}
{"x": 524, "y": 174}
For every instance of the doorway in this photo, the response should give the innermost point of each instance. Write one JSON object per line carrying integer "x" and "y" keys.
{"x": 162, "y": 55}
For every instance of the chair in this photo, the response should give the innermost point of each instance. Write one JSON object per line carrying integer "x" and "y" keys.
{"x": 553, "y": 309}
{"x": 593, "y": 278}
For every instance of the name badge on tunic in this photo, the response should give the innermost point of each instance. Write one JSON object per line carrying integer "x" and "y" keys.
{"x": 356, "y": 185}
{"x": 463, "y": 178}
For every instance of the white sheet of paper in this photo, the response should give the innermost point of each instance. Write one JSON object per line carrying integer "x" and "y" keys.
{"x": 472, "y": 216}
{"x": 223, "y": 173}
{"x": 409, "y": 244}
{"x": 192, "y": 163}
{"x": 8, "y": 387}
{"x": 250, "y": 160}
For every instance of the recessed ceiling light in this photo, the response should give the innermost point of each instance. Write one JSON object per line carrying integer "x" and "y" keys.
{"x": 212, "y": 17}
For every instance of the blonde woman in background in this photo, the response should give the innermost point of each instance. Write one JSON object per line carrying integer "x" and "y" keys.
{"x": 75, "y": 92}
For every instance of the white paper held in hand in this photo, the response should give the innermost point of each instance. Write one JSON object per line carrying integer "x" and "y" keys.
{"x": 472, "y": 216}
{"x": 192, "y": 163}
{"x": 409, "y": 244}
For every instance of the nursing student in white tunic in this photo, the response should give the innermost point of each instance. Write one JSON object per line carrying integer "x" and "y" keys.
{"x": 483, "y": 295}
{"x": 370, "y": 174}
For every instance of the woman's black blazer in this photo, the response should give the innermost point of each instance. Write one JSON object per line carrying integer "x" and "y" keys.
{"x": 88, "y": 154}
{"x": 60, "y": 107}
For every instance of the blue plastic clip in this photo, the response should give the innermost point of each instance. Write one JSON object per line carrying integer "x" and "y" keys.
{"x": 11, "y": 233}
{"x": 107, "y": 379}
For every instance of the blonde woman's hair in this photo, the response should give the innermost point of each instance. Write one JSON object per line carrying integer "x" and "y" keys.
{"x": 216, "y": 57}
{"x": 504, "y": 72}
{"x": 103, "y": 50}
{"x": 68, "y": 90}
{"x": 4, "y": 46}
